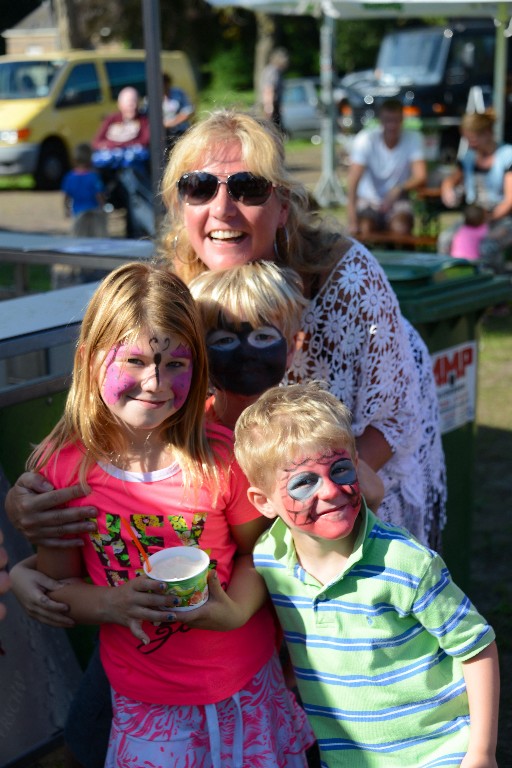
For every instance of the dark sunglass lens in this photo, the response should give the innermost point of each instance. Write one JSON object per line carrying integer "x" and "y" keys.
{"x": 197, "y": 188}
{"x": 249, "y": 189}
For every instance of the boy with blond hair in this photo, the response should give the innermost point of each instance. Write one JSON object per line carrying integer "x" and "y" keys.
{"x": 394, "y": 665}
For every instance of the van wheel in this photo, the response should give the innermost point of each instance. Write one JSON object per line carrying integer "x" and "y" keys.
{"x": 52, "y": 165}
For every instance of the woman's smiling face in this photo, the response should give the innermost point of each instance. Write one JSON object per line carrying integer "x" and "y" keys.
{"x": 225, "y": 233}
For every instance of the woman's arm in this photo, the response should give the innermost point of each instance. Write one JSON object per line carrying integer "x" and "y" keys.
{"x": 32, "y": 588}
{"x": 38, "y": 511}
{"x": 129, "y": 604}
{"x": 481, "y": 674}
{"x": 373, "y": 448}
{"x": 448, "y": 187}
{"x": 505, "y": 206}
{"x": 371, "y": 485}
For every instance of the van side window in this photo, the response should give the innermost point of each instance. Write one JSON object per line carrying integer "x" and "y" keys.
{"x": 81, "y": 87}
{"x": 123, "y": 73}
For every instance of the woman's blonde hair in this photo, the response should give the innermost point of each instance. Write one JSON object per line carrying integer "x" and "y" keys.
{"x": 133, "y": 299}
{"x": 306, "y": 245}
{"x": 260, "y": 292}
{"x": 287, "y": 423}
{"x": 478, "y": 122}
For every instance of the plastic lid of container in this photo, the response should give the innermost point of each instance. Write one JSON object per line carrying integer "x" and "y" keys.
{"x": 433, "y": 287}
{"x": 402, "y": 266}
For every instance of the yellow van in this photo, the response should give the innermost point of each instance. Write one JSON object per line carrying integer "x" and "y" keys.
{"x": 51, "y": 102}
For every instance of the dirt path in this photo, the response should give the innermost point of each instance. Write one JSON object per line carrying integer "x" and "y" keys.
{"x": 26, "y": 210}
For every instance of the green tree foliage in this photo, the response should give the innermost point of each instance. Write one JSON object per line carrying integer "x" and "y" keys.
{"x": 357, "y": 42}
{"x": 221, "y": 42}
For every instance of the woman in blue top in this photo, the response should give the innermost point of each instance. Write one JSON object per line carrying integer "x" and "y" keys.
{"x": 485, "y": 173}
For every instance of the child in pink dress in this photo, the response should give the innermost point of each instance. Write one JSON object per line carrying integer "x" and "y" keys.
{"x": 466, "y": 240}
{"x": 209, "y": 693}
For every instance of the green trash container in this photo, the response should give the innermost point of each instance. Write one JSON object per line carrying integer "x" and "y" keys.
{"x": 444, "y": 299}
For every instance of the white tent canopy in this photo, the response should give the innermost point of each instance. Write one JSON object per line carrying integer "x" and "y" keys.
{"x": 328, "y": 189}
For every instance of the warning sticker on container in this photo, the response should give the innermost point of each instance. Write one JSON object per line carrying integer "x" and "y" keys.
{"x": 455, "y": 371}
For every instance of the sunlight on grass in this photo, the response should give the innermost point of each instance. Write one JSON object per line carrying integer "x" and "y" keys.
{"x": 17, "y": 182}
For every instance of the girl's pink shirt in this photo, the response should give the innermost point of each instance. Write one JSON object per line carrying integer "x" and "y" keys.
{"x": 180, "y": 665}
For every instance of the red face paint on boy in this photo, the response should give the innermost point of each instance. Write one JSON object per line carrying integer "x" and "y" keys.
{"x": 319, "y": 495}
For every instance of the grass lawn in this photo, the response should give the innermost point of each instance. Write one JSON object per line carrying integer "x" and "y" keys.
{"x": 39, "y": 276}
{"x": 491, "y": 571}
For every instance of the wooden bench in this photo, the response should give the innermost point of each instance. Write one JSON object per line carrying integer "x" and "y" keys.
{"x": 396, "y": 241}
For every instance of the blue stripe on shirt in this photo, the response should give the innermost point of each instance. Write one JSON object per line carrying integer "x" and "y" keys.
{"x": 389, "y": 713}
{"x": 394, "y": 746}
{"x": 386, "y": 678}
{"x": 353, "y": 644}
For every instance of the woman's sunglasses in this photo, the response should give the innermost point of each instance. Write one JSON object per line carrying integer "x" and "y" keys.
{"x": 199, "y": 187}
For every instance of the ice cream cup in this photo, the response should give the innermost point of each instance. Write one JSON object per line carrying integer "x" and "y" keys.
{"x": 185, "y": 572}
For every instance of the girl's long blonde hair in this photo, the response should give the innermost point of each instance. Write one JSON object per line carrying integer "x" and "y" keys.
{"x": 135, "y": 298}
{"x": 308, "y": 245}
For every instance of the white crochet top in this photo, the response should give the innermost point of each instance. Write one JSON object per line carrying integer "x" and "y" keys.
{"x": 376, "y": 363}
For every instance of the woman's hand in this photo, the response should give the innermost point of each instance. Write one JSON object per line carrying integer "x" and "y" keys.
{"x": 371, "y": 485}
{"x": 31, "y": 589}
{"x": 37, "y": 510}
{"x": 450, "y": 195}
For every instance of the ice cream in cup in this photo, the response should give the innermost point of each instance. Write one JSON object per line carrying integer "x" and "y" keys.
{"x": 185, "y": 572}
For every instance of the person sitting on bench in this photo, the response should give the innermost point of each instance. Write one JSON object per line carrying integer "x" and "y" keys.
{"x": 386, "y": 164}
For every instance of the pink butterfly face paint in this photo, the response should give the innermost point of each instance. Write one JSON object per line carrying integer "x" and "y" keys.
{"x": 117, "y": 380}
{"x": 182, "y": 381}
{"x": 146, "y": 382}
{"x": 319, "y": 495}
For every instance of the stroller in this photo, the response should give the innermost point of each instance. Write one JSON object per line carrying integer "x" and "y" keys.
{"x": 125, "y": 174}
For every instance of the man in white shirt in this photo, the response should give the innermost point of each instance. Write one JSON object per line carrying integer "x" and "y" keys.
{"x": 386, "y": 164}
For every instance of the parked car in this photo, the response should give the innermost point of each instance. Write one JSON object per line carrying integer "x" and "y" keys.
{"x": 51, "y": 102}
{"x": 302, "y": 108}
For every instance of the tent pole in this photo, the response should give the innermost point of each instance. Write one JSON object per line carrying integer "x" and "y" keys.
{"x": 328, "y": 190}
{"x": 500, "y": 72}
{"x": 152, "y": 44}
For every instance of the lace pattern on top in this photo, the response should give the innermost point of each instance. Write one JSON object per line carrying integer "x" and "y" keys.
{"x": 375, "y": 362}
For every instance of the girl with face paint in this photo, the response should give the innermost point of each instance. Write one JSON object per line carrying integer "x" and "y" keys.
{"x": 134, "y": 435}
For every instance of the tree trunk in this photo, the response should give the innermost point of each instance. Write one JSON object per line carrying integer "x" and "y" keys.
{"x": 67, "y": 15}
{"x": 265, "y": 42}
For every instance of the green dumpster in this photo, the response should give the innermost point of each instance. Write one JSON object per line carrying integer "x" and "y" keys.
{"x": 444, "y": 299}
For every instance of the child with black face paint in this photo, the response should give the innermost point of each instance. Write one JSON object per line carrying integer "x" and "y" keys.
{"x": 394, "y": 665}
{"x": 252, "y": 317}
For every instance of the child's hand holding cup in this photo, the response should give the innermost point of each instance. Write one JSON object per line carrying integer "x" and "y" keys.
{"x": 184, "y": 571}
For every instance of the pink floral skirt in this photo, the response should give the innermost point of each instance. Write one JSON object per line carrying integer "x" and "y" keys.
{"x": 261, "y": 726}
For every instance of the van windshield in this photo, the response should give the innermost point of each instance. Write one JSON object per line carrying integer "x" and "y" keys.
{"x": 27, "y": 79}
{"x": 413, "y": 56}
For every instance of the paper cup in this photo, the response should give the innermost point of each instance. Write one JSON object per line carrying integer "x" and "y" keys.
{"x": 185, "y": 572}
